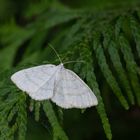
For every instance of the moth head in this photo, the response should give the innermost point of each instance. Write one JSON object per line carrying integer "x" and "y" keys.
{"x": 61, "y": 65}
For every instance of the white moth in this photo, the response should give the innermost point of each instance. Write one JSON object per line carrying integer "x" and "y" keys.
{"x": 61, "y": 85}
{"x": 57, "y": 83}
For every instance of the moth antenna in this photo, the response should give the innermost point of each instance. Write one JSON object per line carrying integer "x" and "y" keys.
{"x": 74, "y": 62}
{"x": 56, "y": 53}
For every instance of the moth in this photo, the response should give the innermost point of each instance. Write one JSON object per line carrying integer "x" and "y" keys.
{"x": 62, "y": 86}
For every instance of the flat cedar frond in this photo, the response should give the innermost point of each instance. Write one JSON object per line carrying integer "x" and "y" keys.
{"x": 131, "y": 65}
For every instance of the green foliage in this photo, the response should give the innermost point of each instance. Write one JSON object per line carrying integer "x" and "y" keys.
{"x": 13, "y": 115}
{"x": 86, "y": 55}
{"x": 108, "y": 74}
{"x": 58, "y": 132}
{"x": 108, "y": 42}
